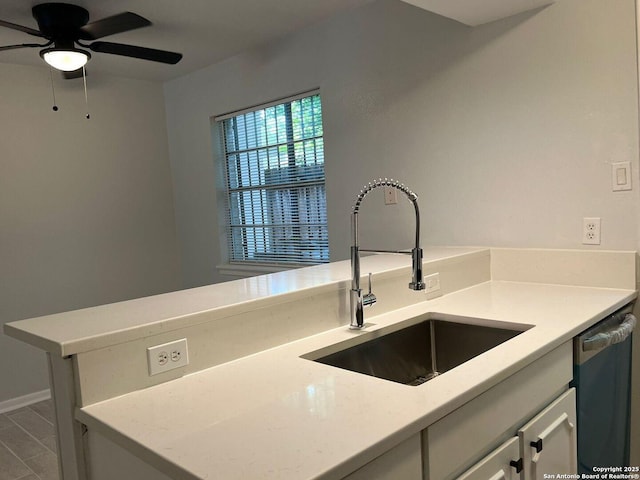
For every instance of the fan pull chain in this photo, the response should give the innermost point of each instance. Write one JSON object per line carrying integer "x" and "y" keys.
{"x": 53, "y": 91}
{"x": 86, "y": 97}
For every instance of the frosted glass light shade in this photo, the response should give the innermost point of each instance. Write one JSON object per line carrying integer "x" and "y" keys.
{"x": 67, "y": 59}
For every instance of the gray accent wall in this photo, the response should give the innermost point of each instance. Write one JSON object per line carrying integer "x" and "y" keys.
{"x": 86, "y": 206}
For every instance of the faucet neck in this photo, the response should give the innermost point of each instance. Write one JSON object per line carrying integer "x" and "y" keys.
{"x": 413, "y": 198}
{"x": 355, "y": 267}
{"x": 416, "y": 254}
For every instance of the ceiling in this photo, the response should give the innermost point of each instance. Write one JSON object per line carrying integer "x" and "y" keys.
{"x": 204, "y": 31}
{"x": 477, "y": 12}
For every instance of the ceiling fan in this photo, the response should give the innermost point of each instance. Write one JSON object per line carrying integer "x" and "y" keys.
{"x": 65, "y": 27}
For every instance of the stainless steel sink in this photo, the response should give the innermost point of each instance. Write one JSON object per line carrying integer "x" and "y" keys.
{"x": 419, "y": 352}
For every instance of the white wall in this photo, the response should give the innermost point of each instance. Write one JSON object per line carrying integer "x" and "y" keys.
{"x": 86, "y": 206}
{"x": 506, "y": 131}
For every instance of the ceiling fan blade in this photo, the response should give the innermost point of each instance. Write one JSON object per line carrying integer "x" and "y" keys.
{"x": 136, "y": 52}
{"x": 123, "y": 22}
{"x": 22, "y": 45}
{"x": 20, "y": 28}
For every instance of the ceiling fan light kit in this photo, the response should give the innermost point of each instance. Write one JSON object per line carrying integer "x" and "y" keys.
{"x": 65, "y": 59}
{"x": 64, "y": 26}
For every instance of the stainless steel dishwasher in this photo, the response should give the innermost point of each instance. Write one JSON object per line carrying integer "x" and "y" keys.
{"x": 602, "y": 377}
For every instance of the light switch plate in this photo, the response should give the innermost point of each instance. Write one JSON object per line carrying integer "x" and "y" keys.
{"x": 621, "y": 176}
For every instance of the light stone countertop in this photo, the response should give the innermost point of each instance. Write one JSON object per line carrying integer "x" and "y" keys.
{"x": 87, "y": 329}
{"x": 274, "y": 415}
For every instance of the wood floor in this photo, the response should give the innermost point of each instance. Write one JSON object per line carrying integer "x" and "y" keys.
{"x": 27, "y": 443}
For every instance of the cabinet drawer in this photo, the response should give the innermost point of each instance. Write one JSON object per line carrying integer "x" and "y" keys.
{"x": 463, "y": 437}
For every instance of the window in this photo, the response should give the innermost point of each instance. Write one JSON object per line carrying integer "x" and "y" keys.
{"x": 275, "y": 183}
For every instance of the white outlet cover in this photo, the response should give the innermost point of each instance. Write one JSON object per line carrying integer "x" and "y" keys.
{"x": 432, "y": 285}
{"x": 591, "y": 231}
{"x": 167, "y": 356}
{"x": 390, "y": 195}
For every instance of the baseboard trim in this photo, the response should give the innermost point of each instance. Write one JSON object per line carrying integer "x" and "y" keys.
{"x": 25, "y": 400}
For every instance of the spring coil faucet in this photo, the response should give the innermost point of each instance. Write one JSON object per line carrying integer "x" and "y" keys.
{"x": 358, "y": 300}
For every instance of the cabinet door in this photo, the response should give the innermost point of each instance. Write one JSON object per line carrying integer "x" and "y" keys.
{"x": 454, "y": 443}
{"x": 502, "y": 464}
{"x": 548, "y": 441}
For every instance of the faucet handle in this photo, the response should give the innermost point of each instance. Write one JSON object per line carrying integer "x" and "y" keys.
{"x": 369, "y": 299}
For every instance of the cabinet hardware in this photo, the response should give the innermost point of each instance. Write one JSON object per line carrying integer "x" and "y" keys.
{"x": 517, "y": 465}
{"x": 537, "y": 445}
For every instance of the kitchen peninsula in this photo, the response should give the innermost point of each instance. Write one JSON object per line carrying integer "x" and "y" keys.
{"x": 251, "y": 404}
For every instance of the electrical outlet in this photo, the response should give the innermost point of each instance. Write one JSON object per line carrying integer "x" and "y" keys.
{"x": 432, "y": 284}
{"x": 165, "y": 357}
{"x": 591, "y": 231}
{"x": 390, "y": 195}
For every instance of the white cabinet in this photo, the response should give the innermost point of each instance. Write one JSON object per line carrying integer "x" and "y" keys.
{"x": 516, "y": 430}
{"x": 546, "y": 444}
{"x": 548, "y": 441}
{"x": 108, "y": 461}
{"x": 464, "y": 438}
{"x": 501, "y": 464}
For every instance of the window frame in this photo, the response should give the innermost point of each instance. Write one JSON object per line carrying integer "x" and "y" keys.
{"x": 275, "y": 259}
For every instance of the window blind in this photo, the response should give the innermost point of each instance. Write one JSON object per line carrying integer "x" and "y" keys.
{"x": 275, "y": 182}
